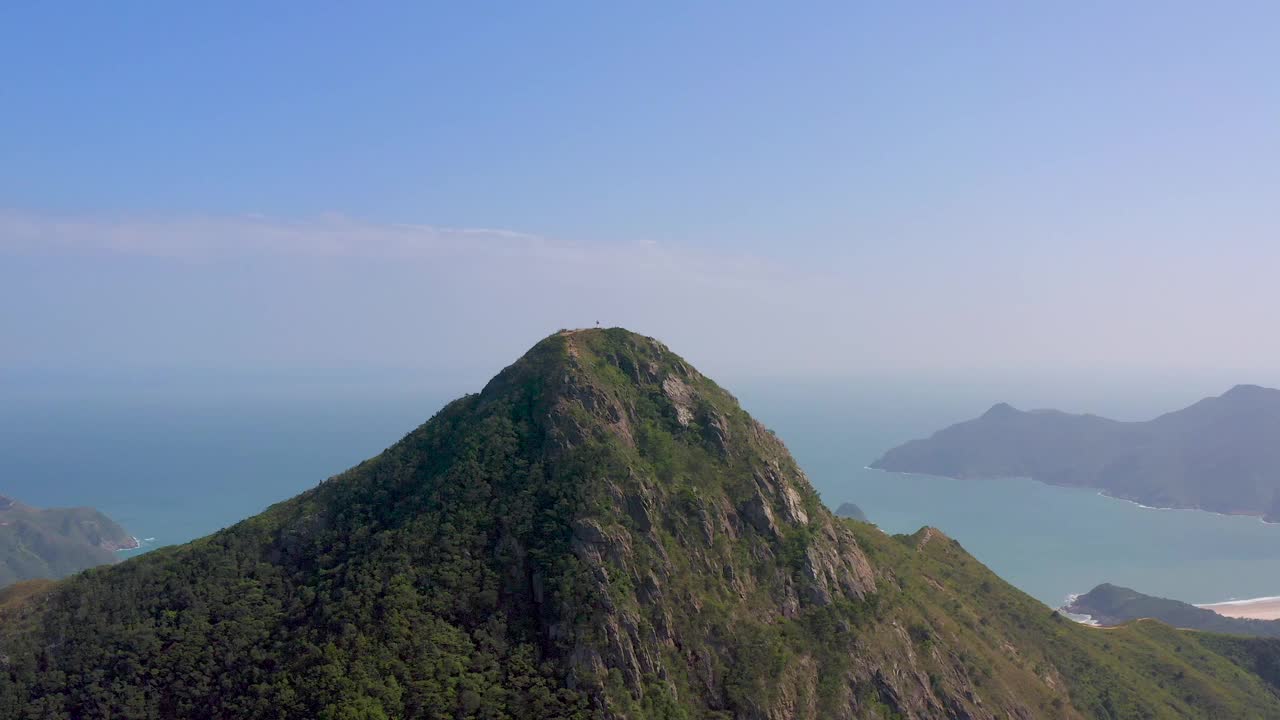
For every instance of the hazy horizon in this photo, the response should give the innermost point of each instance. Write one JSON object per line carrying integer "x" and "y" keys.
{"x": 770, "y": 192}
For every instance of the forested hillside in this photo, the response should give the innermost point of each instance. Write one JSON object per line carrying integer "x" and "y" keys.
{"x": 602, "y": 532}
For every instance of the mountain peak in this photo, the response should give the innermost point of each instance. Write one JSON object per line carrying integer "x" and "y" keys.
{"x": 1249, "y": 391}
{"x": 1001, "y": 410}
{"x": 593, "y": 351}
{"x": 647, "y": 474}
{"x": 618, "y": 382}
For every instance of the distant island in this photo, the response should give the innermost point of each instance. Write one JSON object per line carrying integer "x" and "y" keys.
{"x": 851, "y": 511}
{"x": 1110, "y": 605}
{"x": 1221, "y": 454}
{"x": 55, "y": 542}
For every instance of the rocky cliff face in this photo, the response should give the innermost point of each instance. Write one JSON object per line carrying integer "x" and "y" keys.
{"x": 699, "y": 519}
{"x": 712, "y": 577}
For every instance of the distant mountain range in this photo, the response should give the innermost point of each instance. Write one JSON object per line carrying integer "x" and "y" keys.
{"x": 1221, "y": 454}
{"x": 1110, "y": 605}
{"x": 55, "y": 542}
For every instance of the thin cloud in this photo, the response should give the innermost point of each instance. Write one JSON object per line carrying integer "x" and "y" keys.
{"x": 196, "y": 237}
{"x": 339, "y": 291}
{"x": 312, "y": 281}
{"x": 205, "y": 237}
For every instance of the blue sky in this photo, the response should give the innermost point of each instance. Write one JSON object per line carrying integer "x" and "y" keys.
{"x": 874, "y": 186}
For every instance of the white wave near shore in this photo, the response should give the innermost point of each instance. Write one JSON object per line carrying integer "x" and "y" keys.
{"x": 137, "y": 544}
{"x": 1082, "y": 618}
{"x": 1105, "y": 494}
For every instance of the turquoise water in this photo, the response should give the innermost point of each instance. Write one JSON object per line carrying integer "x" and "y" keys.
{"x": 174, "y": 458}
{"x": 1054, "y": 541}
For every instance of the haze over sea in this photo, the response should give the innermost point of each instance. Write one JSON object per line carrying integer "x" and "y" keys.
{"x": 174, "y": 456}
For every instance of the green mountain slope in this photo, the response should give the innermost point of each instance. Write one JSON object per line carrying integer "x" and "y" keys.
{"x": 602, "y": 532}
{"x": 1219, "y": 454}
{"x": 54, "y": 542}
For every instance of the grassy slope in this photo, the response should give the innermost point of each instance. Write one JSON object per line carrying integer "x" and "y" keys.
{"x": 1144, "y": 669}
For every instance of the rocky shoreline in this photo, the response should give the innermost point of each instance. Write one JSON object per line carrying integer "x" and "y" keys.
{"x": 132, "y": 543}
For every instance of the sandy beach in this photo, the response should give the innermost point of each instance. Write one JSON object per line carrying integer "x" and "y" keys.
{"x": 1267, "y": 608}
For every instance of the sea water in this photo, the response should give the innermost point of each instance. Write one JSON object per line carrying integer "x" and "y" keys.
{"x": 176, "y": 457}
{"x": 173, "y": 457}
